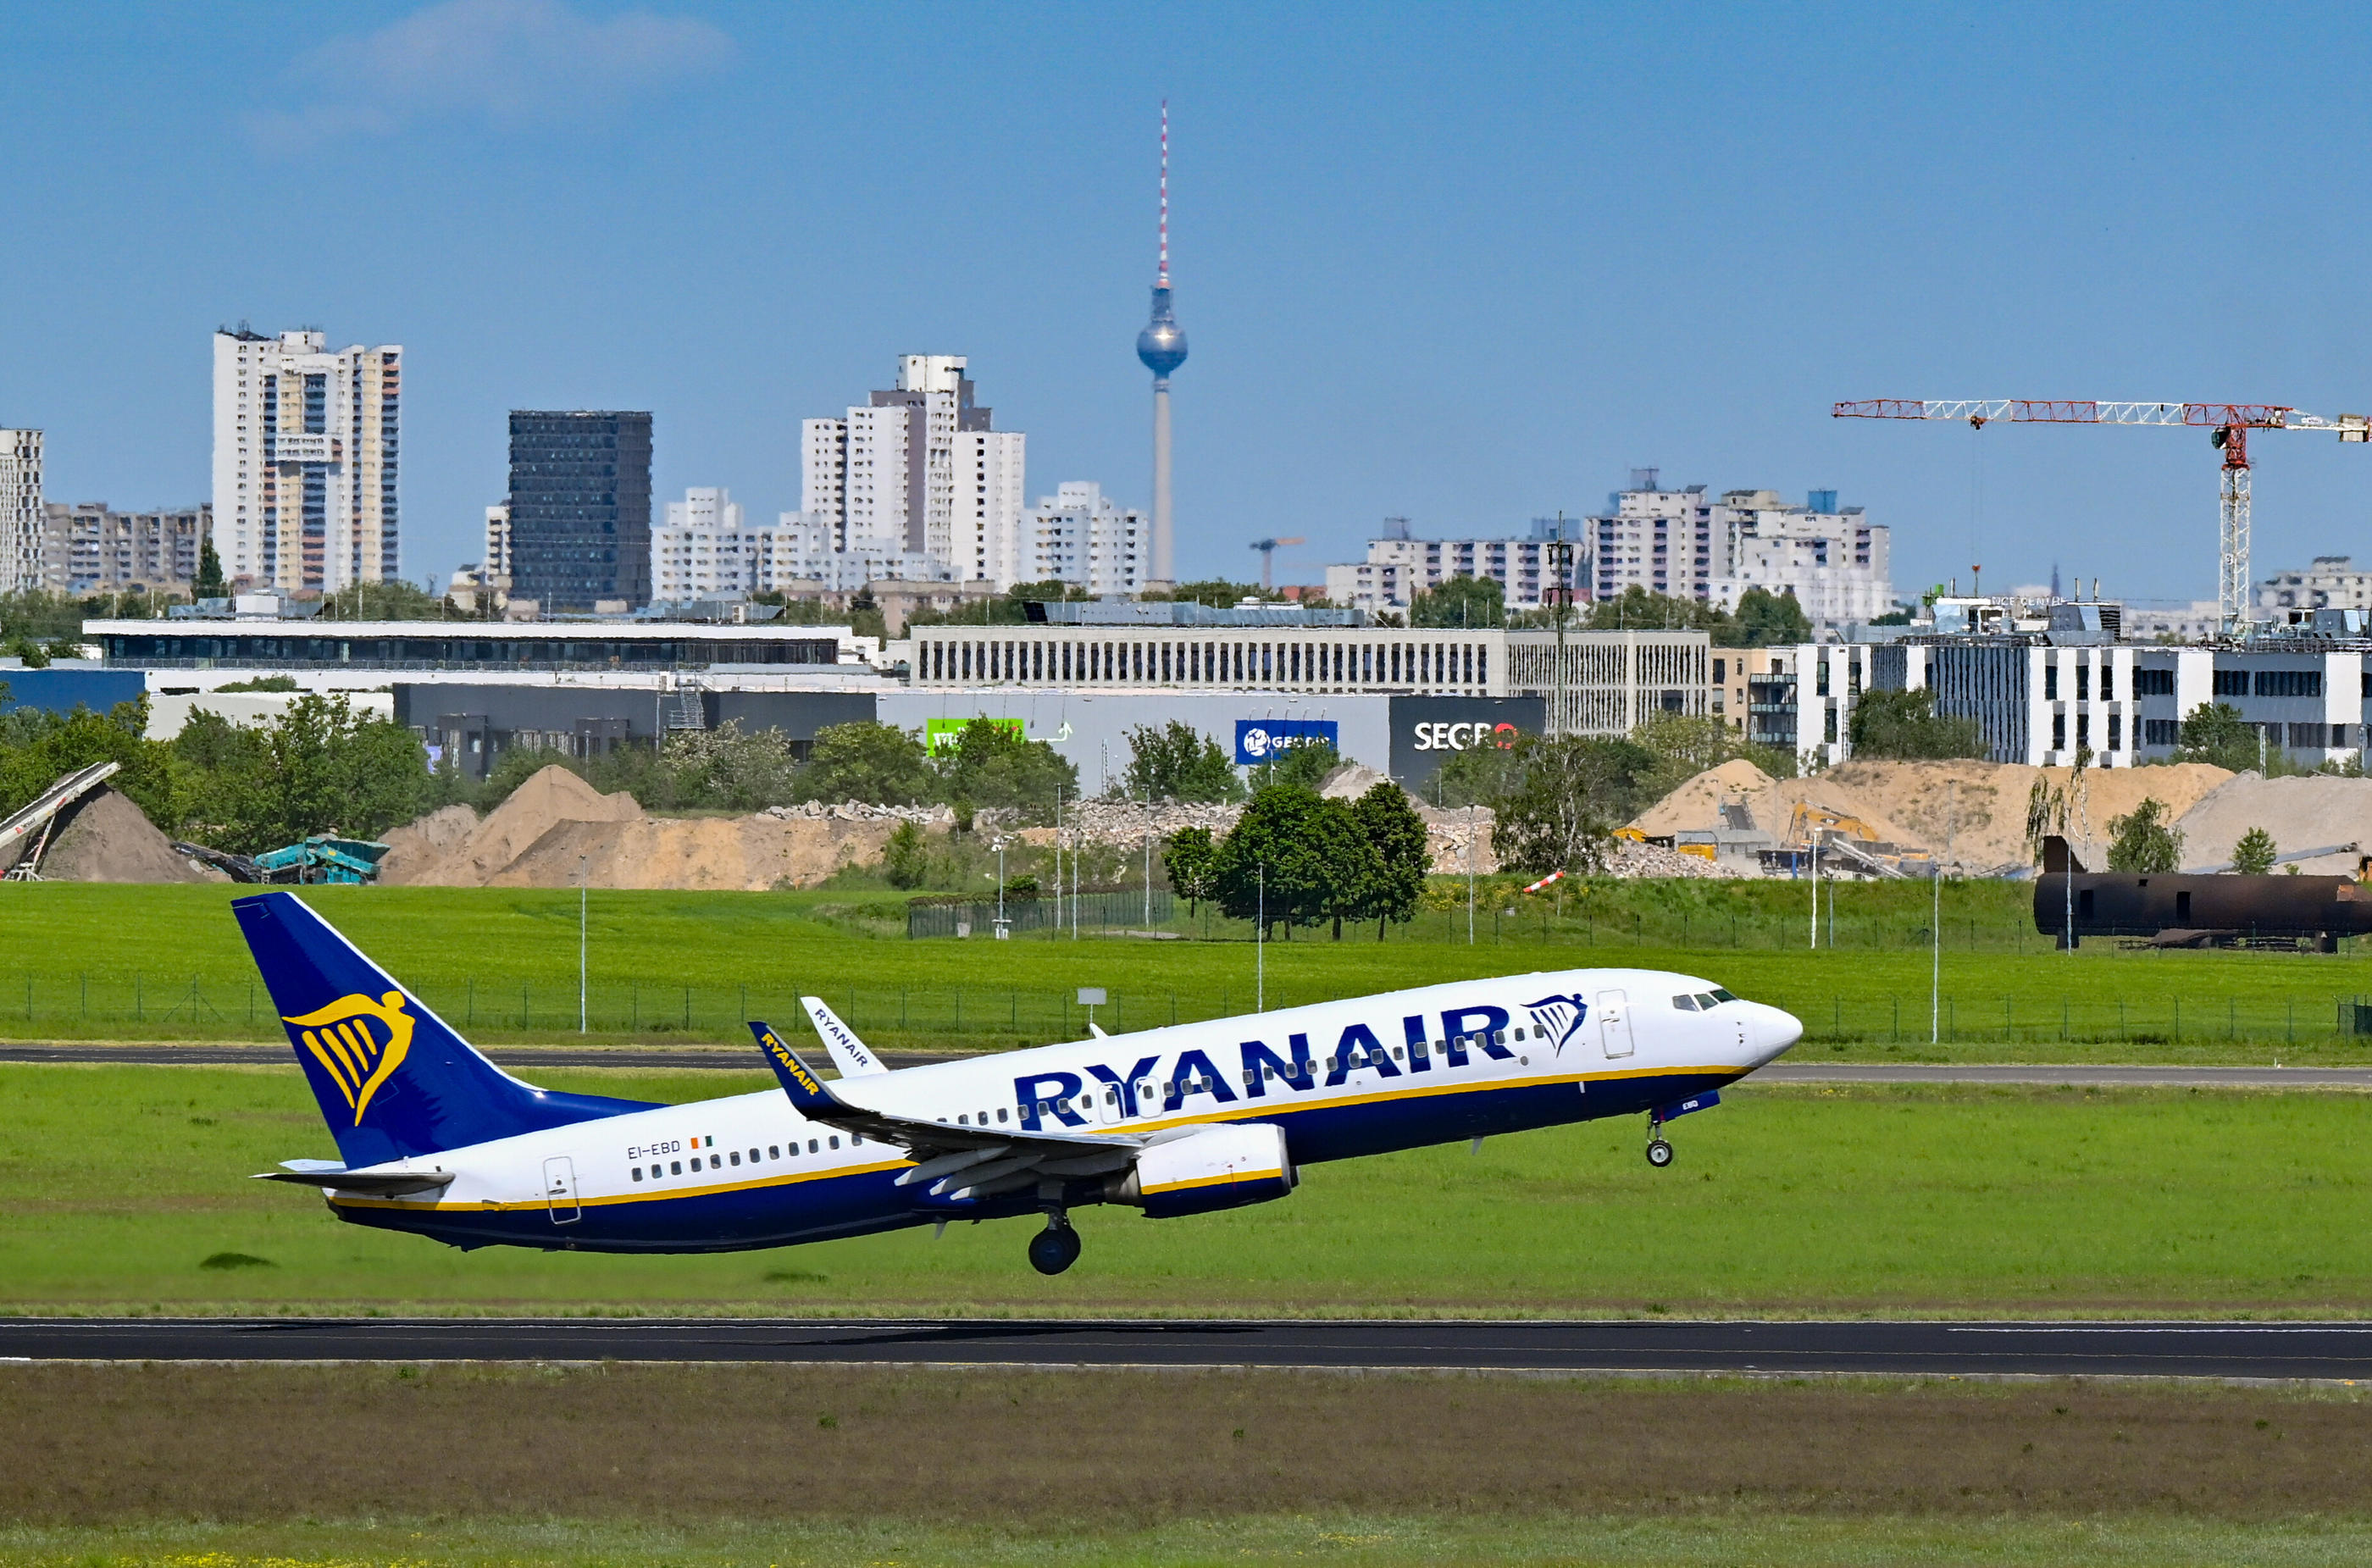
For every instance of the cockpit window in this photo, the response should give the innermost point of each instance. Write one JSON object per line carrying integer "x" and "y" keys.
{"x": 1721, "y": 996}
{"x": 1685, "y": 1003}
{"x": 1708, "y": 1000}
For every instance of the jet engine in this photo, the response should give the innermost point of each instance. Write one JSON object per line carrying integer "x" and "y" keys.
{"x": 1216, "y": 1167}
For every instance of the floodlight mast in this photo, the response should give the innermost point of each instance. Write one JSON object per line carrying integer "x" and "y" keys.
{"x": 2229, "y": 423}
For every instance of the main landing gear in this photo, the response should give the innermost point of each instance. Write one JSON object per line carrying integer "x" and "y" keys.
{"x": 1056, "y": 1248}
{"x": 1660, "y": 1152}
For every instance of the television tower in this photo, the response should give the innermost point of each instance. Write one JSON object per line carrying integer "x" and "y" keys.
{"x": 1162, "y": 348}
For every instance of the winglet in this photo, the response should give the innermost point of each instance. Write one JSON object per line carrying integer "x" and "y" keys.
{"x": 851, "y": 1055}
{"x": 807, "y": 1095}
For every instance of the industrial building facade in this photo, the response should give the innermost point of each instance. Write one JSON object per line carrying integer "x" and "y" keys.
{"x": 2120, "y": 703}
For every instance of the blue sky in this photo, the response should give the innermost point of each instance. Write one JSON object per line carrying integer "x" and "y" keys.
{"x": 1468, "y": 265}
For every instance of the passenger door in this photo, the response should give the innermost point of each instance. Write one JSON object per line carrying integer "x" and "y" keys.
{"x": 1614, "y": 1023}
{"x": 560, "y": 1189}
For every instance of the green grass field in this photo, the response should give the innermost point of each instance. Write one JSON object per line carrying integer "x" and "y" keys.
{"x": 1356, "y": 1541}
{"x": 124, "y": 1182}
{"x": 91, "y": 962}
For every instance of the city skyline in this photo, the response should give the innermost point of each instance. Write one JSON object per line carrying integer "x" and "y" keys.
{"x": 1465, "y": 270}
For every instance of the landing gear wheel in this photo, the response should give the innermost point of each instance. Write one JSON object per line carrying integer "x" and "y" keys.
{"x": 1055, "y": 1249}
{"x": 1660, "y": 1153}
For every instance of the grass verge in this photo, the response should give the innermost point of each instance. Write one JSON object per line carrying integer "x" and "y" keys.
{"x": 203, "y": 1466}
{"x": 129, "y": 1192}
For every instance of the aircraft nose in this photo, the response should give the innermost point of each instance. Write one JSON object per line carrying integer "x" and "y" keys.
{"x": 1775, "y": 1029}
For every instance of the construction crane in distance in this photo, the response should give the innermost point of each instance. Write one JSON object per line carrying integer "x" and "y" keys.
{"x": 2228, "y": 423}
{"x": 1267, "y": 547}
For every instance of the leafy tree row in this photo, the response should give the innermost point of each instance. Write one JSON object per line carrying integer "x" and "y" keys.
{"x": 1296, "y": 858}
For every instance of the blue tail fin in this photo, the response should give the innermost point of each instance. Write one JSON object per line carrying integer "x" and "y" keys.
{"x": 392, "y": 1079}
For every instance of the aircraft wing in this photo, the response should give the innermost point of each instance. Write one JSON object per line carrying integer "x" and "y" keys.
{"x": 851, "y": 1055}
{"x": 957, "y": 1162}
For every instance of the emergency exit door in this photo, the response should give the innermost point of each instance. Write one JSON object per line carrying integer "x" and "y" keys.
{"x": 560, "y": 1189}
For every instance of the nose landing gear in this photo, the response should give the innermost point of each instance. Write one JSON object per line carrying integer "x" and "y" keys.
{"x": 1056, "y": 1248}
{"x": 1660, "y": 1152}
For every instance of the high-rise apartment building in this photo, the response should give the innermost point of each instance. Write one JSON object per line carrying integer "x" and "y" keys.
{"x": 1398, "y": 567}
{"x": 1832, "y": 559}
{"x": 703, "y": 550}
{"x": 91, "y": 548}
{"x": 306, "y": 454}
{"x": 580, "y": 509}
{"x": 1077, "y": 535}
{"x": 1655, "y": 538}
{"x": 916, "y": 472}
{"x": 499, "y": 540}
{"x": 20, "y": 510}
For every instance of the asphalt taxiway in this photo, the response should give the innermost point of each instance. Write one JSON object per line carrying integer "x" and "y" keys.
{"x": 2318, "y": 1351}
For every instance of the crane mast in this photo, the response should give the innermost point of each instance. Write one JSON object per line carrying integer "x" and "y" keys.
{"x": 2228, "y": 423}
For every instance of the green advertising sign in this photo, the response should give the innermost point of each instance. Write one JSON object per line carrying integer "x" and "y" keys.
{"x": 940, "y": 735}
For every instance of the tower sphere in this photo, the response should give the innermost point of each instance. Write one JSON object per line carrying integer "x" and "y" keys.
{"x": 1162, "y": 344}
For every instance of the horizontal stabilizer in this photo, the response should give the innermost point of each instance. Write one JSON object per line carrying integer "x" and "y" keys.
{"x": 378, "y": 1183}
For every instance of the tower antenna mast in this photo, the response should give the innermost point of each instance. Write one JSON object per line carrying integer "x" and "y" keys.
{"x": 1161, "y": 348}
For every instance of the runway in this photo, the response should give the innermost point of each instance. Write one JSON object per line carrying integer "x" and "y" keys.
{"x": 528, "y": 1059}
{"x": 2332, "y": 1351}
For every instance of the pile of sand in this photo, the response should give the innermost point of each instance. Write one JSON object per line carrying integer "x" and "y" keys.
{"x": 557, "y": 823}
{"x": 104, "y": 838}
{"x": 2300, "y": 813}
{"x": 1979, "y": 806}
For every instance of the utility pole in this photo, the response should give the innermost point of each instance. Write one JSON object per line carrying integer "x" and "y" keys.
{"x": 1935, "y": 920}
{"x": 1469, "y": 873}
{"x": 1561, "y": 553}
{"x": 581, "y": 862}
{"x": 1259, "y": 943}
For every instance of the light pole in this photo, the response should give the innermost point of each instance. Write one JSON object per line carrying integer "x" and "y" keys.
{"x": 1259, "y": 943}
{"x": 1935, "y": 919}
{"x": 1469, "y": 873}
{"x": 581, "y": 862}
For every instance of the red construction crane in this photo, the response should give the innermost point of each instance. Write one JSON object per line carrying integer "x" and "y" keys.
{"x": 2230, "y": 422}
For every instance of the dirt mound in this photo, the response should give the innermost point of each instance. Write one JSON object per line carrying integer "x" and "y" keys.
{"x": 422, "y": 844}
{"x": 105, "y": 837}
{"x": 1979, "y": 806}
{"x": 451, "y": 849}
{"x": 556, "y": 823}
{"x": 2300, "y": 813}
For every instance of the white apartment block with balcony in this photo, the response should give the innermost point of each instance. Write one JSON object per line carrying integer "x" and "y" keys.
{"x": 1833, "y": 560}
{"x": 1397, "y": 569}
{"x": 1079, "y": 534}
{"x": 917, "y": 472}
{"x": 1652, "y": 537}
{"x": 2332, "y": 582}
{"x": 305, "y": 459}
{"x": 703, "y": 550}
{"x": 20, "y": 511}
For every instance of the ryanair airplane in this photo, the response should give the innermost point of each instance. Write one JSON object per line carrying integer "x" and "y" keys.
{"x": 438, "y": 1139}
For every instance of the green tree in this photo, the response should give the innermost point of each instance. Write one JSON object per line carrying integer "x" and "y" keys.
{"x": 1567, "y": 798}
{"x": 1685, "y": 744}
{"x": 1177, "y": 761}
{"x": 321, "y": 767}
{"x": 37, "y": 748}
{"x": 1478, "y": 775}
{"x": 2146, "y": 840}
{"x": 1636, "y": 609}
{"x": 1299, "y": 767}
{"x": 723, "y": 768}
{"x": 1294, "y": 857}
{"x": 1906, "y": 724}
{"x": 2215, "y": 732}
{"x": 1460, "y": 601}
{"x": 1396, "y": 835}
{"x": 393, "y": 599}
{"x": 1764, "y": 620}
{"x": 903, "y": 859}
{"x": 2255, "y": 854}
{"x": 209, "y": 582}
{"x": 877, "y": 764}
{"x": 1188, "y": 859}
{"x": 993, "y": 765}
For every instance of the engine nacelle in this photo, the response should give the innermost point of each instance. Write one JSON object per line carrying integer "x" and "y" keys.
{"x": 1219, "y": 1168}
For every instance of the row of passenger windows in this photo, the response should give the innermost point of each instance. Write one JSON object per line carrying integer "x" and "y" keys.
{"x": 718, "y": 1162}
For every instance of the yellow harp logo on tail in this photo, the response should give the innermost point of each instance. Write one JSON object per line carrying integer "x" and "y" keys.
{"x": 358, "y": 1056}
